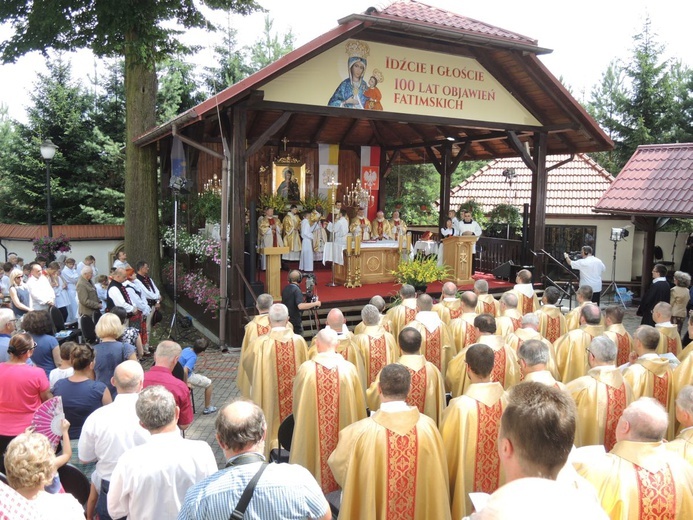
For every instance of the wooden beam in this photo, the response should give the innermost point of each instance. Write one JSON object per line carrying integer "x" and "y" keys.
{"x": 264, "y": 137}
{"x": 390, "y": 162}
{"x": 321, "y": 126}
{"x": 517, "y": 145}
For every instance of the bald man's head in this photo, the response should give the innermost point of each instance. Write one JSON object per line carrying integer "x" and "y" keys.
{"x": 240, "y": 426}
{"x": 128, "y": 377}
{"x": 335, "y": 320}
{"x": 449, "y": 290}
{"x": 424, "y": 302}
{"x": 326, "y": 340}
{"x": 644, "y": 420}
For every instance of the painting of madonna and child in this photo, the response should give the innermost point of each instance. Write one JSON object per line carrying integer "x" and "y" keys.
{"x": 360, "y": 89}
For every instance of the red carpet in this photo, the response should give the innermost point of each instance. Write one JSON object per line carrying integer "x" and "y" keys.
{"x": 386, "y": 290}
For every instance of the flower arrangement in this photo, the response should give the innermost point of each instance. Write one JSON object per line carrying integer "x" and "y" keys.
{"x": 195, "y": 286}
{"x": 420, "y": 271}
{"x": 49, "y": 246}
{"x": 201, "y": 246}
{"x": 202, "y": 291}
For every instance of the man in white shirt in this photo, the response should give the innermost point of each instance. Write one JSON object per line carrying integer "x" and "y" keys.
{"x": 112, "y": 430}
{"x": 469, "y": 226}
{"x": 117, "y": 293}
{"x": 150, "y": 480}
{"x": 591, "y": 269}
{"x": 40, "y": 290}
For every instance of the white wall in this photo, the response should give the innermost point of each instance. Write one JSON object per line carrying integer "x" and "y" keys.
{"x": 604, "y": 248}
{"x": 102, "y": 250}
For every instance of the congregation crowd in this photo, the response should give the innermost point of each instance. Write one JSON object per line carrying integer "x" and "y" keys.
{"x": 465, "y": 407}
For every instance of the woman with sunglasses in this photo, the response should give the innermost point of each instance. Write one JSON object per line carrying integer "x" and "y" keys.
{"x": 19, "y": 294}
{"x": 23, "y": 389}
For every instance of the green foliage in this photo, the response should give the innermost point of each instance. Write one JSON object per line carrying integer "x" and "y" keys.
{"x": 206, "y": 208}
{"x": 502, "y": 218}
{"x": 642, "y": 101}
{"x": 311, "y": 202}
{"x": 476, "y": 209}
{"x": 232, "y": 62}
{"x": 268, "y": 48}
{"x": 178, "y": 90}
{"x": 277, "y": 202}
{"x": 87, "y": 171}
{"x": 414, "y": 186}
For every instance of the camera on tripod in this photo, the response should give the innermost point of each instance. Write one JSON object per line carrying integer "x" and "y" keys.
{"x": 310, "y": 288}
{"x": 575, "y": 255}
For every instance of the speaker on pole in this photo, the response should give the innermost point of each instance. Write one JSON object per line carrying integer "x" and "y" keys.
{"x": 503, "y": 271}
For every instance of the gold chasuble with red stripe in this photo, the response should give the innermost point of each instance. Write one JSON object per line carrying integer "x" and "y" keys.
{"x": 391, "y": 466}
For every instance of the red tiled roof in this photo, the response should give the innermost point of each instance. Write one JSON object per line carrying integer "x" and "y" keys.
{"x": 423, "y": 13}
{"x": 572, "y": 188}
{"x": 656, "y": 181}
{"x": 74, "y": 232}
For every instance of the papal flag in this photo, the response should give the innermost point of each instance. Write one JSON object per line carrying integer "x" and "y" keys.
{"x": 328, "y": 156}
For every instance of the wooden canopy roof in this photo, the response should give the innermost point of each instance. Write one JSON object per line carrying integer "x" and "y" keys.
{"x": 511, "y": 58}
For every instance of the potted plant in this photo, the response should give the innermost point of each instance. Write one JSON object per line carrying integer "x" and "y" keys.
{"x": 49, "y": 246}
{"x": 420, "y": 271}
{"x": 503, "y": 217}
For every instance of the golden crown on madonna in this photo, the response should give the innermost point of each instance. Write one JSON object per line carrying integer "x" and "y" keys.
{"x": 357, "y": 49}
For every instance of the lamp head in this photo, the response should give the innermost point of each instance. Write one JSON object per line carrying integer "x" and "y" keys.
{"x": 48, "y": 150}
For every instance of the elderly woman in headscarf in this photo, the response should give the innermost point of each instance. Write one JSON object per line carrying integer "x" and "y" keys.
{"x": 350, "y": 92}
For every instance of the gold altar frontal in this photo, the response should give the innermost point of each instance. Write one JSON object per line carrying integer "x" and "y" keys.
{"x": 373, "y": 264}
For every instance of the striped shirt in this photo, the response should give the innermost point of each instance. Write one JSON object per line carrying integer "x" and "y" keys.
{"x": 284, "y": 492}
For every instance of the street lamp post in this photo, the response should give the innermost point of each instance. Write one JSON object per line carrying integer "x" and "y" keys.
{"x": 48, "y": 152}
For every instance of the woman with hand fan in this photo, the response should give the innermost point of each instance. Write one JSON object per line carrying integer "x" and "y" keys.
{"x": 23, "y": 389}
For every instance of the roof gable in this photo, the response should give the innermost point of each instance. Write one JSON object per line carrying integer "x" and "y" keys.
{"x": 657, "y": 181}
{"x": 572, "y": 188}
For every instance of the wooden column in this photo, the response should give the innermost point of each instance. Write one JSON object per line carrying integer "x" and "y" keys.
{"x": 537, "y": 212}
{"x": 649, "y": 226}
{"x": 236, "y": 209}
{"x": 445, "y": 175}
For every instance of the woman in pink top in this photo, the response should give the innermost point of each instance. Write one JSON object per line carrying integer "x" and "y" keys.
{"x": 22, "y": 390}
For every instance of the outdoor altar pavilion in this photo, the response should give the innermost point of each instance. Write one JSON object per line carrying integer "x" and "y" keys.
{"x": 451, "y": 89}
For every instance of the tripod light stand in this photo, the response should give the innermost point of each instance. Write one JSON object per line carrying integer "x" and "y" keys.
{"x": 617, "y": 234}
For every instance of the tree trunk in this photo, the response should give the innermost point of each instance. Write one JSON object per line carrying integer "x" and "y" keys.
{"x": 141, "y": 209}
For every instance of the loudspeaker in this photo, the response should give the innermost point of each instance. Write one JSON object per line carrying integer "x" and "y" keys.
{"x": 503, "y": 270}
{"x": 258, "y": 288}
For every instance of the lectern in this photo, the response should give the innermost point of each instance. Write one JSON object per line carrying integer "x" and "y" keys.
{"x": 273, "y": 273}
{"x": 457, "y": 254}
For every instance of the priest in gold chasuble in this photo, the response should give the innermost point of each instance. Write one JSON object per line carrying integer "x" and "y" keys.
{"x": 651, "y": 375}
{"x": 552, "y": 323}
{"x": 486, "y": 303}
{"x": 392, "y": 465}
{"x": 669, "y": 339}
{"x": 426, "y": 392}
{"x": 436, "y": 343}
{"x": 571, "y": 348}
{"x": 275, "y": 360}
{"x": 328, "y": 396}
{"x": 450, "y": 306}
{"x": 378, "y": 347}
{"x": 639, "y": 479}
{"x": 683, "y": 444}
{"x": 600, "y": 397}
{"x": 616, "y": 332}
{"x": 258, "y": 326}
{"x": 400, "y": 315}
{"x": 470, "y": 429}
